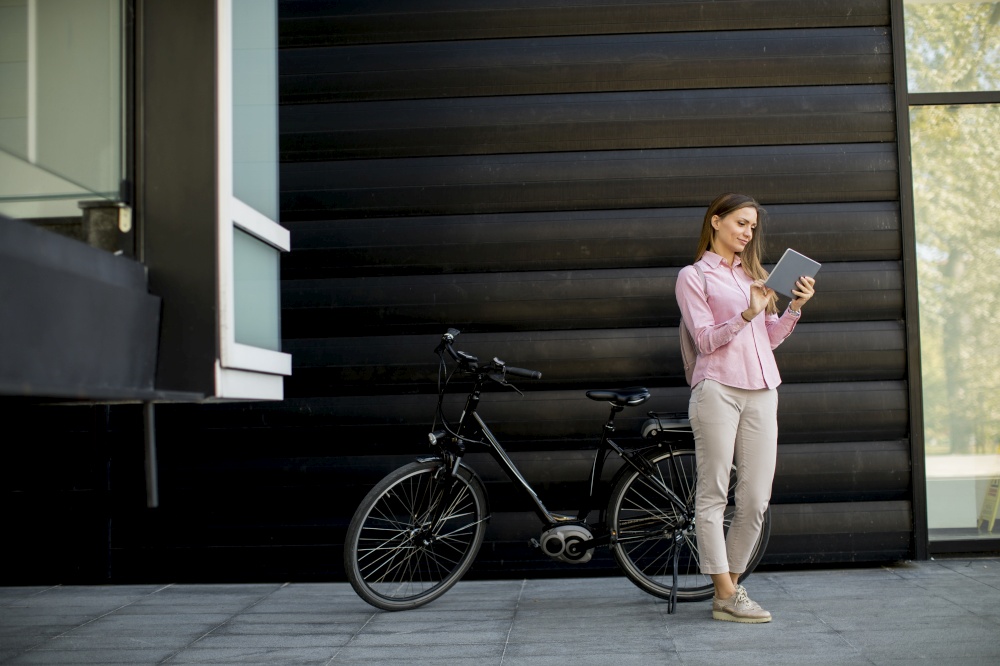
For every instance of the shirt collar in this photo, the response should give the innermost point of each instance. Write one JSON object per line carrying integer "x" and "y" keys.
{"x": 714, "y": 260}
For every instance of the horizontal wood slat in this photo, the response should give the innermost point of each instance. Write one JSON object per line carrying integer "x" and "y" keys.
{"x": 313, "y": 23}
{"x": 653, "y": 237}
{"x": 659, "y": 61}
{"x": 616, "y": 298}
{"x": 558, "y": 419}
{"x": 222, "y": 551}
{"x": 844, "y": 351}
{"x": 821, "y": 472}
{"x": 587, "y": 181}
{"x": 615, "y": 121}
{"x": 840, "y": 532}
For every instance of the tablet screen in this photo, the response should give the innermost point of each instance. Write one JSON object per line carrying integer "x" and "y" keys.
{"x": 790, "y": 268}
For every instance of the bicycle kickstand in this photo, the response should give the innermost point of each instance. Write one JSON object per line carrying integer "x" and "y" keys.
{"x": 672, "y": 602}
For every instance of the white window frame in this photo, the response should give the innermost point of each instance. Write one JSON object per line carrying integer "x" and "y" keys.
{"x": 242, "y": 371}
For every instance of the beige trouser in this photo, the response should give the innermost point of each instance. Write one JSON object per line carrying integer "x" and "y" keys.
{"x": 732, "y": 425}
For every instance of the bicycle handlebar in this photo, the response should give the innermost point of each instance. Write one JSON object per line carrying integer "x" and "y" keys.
{"x": 470, "y": 362}
{"x": 521, "y": 372}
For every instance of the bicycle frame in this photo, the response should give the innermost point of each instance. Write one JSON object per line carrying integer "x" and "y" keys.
{"x": 472, "y": 423}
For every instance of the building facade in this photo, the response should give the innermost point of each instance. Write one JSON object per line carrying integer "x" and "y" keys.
{"x": 534, "y": 176}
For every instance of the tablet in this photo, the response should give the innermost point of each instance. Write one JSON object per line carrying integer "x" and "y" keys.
{"x": 790, "y": 268}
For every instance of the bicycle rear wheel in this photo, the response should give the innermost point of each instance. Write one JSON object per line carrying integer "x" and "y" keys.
{"x": 645, "y": 522}
{"x": 415, "y": 535}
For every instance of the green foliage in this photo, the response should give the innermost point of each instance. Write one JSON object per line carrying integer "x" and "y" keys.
{"x": 952, "y": 46}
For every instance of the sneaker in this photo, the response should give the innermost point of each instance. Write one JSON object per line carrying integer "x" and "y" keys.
{"x": 739, "y": 608}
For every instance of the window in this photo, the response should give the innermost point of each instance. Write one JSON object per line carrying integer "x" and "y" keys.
{"x": 61, "y": 101}
{"x": 250, "y": 238}
{"x": 953, "y": 75}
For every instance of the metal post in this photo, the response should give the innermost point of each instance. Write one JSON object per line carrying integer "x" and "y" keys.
{"x": 149, "y": 432}
{"x": 918, "y": 473}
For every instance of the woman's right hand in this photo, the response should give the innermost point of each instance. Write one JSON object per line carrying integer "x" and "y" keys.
{"x": 759, "y": 297}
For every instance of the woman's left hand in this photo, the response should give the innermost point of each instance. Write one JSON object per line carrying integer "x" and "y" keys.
{"x": 804, "y": 290}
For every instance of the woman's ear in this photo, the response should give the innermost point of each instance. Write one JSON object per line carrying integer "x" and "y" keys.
{"x": 715, "y": 222}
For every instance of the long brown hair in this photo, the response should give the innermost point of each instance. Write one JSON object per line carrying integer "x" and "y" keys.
{"x": 723, "y": 205}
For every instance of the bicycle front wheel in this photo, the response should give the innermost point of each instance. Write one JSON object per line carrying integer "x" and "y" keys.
{"x": 650, "y": 528}
{"x": 415, "y": 535}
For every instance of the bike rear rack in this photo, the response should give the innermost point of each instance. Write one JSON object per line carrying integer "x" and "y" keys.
{"x": 664, "y": 424}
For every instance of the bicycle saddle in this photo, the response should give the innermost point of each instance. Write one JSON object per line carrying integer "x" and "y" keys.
{"x": 635, "y": 395}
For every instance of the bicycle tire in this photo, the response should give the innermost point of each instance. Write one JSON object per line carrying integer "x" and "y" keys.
{"x": 398, "y": 554}
{"x": 645, "y": 522}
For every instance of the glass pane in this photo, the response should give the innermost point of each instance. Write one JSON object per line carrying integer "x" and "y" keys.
{"x": 955, "y": 150}
{"x": 14, "y": 77}
{"x": 60, "y": 105}
{"x": 952, "y": 46}
{"x": 256, "y": 295}
{"x": 255, "y": 105}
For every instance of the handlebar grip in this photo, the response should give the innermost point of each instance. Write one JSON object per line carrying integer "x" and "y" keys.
{"x": 521, "y": 372}
{"x": 446, "y": 340}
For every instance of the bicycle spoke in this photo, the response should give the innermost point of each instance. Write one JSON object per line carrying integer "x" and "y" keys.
{"x": 416, "y": 539}
{"x": 651, "y": 529}
{"x": 649, "y": 521}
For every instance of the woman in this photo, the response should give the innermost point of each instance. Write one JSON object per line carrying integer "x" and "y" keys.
{"x": 733, "y": 319}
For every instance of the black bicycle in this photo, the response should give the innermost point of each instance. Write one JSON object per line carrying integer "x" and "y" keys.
{"x": 417, "y": 532}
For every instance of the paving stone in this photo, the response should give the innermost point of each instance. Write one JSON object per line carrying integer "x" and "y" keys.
{"x": 925, "y": 612}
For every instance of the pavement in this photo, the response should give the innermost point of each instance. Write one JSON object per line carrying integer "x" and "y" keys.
{"x": 939, "y": 611}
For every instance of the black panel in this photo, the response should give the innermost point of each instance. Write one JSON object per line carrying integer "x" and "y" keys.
{"x": 848, "y": 351}
{"x": 852, "y": 471}
{"x": 177, "y": 196}
{"x": 581, "y": 181}
{"x": 659, "y": 61}
{"x": 549, "y": 123}
{"x": 313, "y": 23}
{"x": 618, "y": 298}
{"x": 551, "y": 419}
{"x": 840, "y": 532}
{"x": 651, "y": 237}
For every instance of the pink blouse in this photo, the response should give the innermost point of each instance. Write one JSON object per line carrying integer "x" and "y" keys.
{"x": 731, "y": 350}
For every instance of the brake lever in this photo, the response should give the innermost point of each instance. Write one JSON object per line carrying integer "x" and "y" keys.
{"x": 502, "y": 380}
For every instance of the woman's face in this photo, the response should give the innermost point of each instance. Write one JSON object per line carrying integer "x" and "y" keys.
{"x": 734, "y": 231}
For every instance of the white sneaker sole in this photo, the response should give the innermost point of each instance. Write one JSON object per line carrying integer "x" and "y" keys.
{"x": 729, "y": 617}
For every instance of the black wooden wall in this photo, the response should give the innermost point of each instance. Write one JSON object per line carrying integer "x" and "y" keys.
{"x": 534, "y": 174}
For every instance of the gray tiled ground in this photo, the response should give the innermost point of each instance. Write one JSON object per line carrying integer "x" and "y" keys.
{"x": 945, "y": 611}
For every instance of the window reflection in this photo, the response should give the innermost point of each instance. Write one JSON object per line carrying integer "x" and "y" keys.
{"x": 952, "y": 46}
{"x": 955, "y": 150}
{"x": 257, "y": 298}
{"x": 255, "y": 105}
{"x": 60, "y": 105}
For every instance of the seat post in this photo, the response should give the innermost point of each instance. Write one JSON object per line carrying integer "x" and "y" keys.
{"x": 610, "y": 425}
